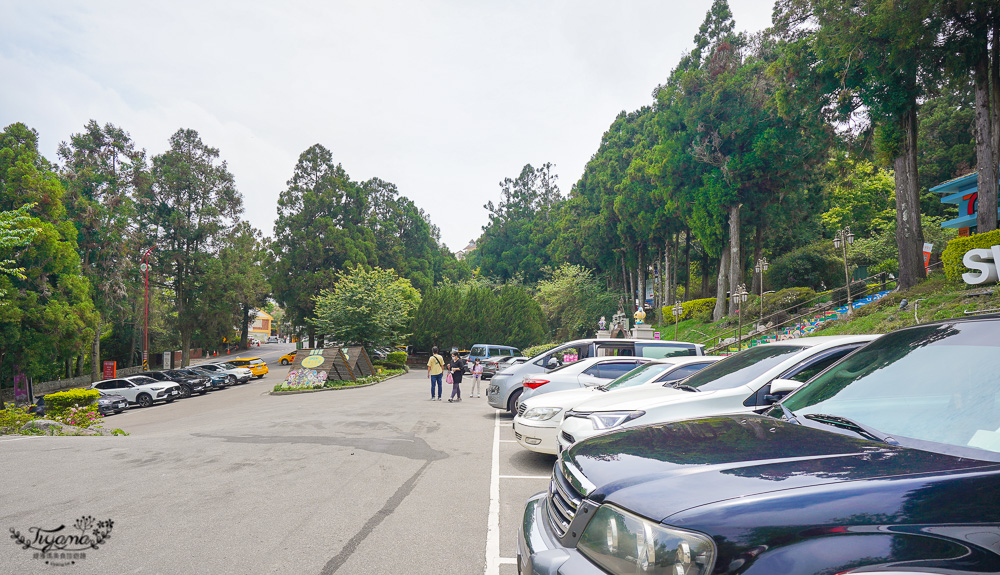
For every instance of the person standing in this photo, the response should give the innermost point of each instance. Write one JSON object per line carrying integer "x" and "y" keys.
{"x": 435, "y": 367}
{"x": 477, "y": 375}
{"x": 456, "y": 366}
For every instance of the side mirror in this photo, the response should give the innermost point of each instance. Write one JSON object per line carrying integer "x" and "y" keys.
{"x": 780, "y": 388}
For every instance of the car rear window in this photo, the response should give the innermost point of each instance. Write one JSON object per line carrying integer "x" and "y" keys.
{"x": 256, "y": 361}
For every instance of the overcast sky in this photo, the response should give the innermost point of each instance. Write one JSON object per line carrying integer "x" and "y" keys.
{"x": 442, "y": 98}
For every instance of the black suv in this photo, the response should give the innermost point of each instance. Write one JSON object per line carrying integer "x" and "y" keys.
{"x": 190, "y": 383}
{"x": 887, "y": 461}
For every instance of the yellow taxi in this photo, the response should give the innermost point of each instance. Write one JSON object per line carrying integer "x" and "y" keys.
{"x": 288, "y": 357}
{"x": 256, "y": 365}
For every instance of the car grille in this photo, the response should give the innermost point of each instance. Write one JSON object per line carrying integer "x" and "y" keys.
{"x": 562, "y": 502}
{"x": 568, "y": 437}
{"x": 521, "y": 409}
{"x": 518, "y": 436}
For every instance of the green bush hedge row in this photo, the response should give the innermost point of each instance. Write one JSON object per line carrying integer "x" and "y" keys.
{"x": 57, "y": 404}
{"x": 953, "y": 254}
{"x": 398, "y": 357}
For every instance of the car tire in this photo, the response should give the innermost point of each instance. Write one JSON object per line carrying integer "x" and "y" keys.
{"x": 284, "y": 362}
{"x": 185, "y": 392}
{"x": 144, "y": 400}
{"x": 260, "y": 377}
{"x": 231, "y": 379}
{"x": 512, "y": 402}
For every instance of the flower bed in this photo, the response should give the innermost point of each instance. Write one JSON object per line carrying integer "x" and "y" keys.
{"x": 334, "y": 384}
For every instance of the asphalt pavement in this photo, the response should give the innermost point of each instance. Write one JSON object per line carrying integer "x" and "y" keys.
{"x": 372, "y": 480}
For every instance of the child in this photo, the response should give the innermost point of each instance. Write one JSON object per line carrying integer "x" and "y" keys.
{"x": 477, "y": 374}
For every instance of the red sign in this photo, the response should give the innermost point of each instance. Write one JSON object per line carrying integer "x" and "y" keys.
{"x": 109, "y": 369}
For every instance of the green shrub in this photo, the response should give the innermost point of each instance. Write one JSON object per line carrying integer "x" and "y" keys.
{"x": 398, "y": 357}
{"x": 695, "y": 308}
{"x": 58, "y": 404}
{"x": 537, "y": 349}
{"x": 815, "y": 266}
{"x": 13, "y": 418}
{"x": 953, "y": 254}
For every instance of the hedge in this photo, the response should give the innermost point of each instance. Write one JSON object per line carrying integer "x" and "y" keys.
{"x": 57, "y": 404}
{"x": 953, "y": 254}
{"x": 537, "y": 349}
{"x": 693, "y": 308}
{"x": 398, "y": 357}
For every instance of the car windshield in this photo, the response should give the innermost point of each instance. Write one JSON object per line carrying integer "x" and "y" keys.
{"x": 143, "y": 380}
{"x": 937, "y": 383}
{"x": 638, "y": 376}
{"x": 226, "y": 365}
{"x": 741, "y": 368}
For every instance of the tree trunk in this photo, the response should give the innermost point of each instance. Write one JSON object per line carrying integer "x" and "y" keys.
{"x": 624, "y": 275}
{"x": 185, "y": 346}
{"x": 95, "y": 353}
{"x": 735, "y": 260}
{"x": 673, "y": 271}
{"x": 995, "y": 89}
{"x": 909, "y": 236}
{"x": 986, "y": 182}
{"x": 720, "y": 286}
{"x": 312, "y": 337}
{"x": 667, "y": 266}
{"x": 79, "y": 366}
{"x": 641, "y": 278}
{"x": 687, "y": 265}
{"x": 630, "y": 300}
{"x": 245, "y": 331}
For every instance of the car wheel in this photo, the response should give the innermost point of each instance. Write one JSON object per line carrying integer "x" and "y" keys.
{"x": 260, "y": 377}
{"x": 512, "y": 402}
{"x": 231, "y": 379}
{"x": 284, "y": 362}
{"x": 185, "y": 391}
{"x": 144, "y": 400}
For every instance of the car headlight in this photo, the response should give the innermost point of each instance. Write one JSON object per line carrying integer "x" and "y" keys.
{"x": 541, "y": 413}
{"x": 609, "y": 419}
{"x": 621, "y": 542}
{"x": 156, "y": 388}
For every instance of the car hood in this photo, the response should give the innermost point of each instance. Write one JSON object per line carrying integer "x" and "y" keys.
{"x": 640, "y": 397}
{"x": 663, "y": 469}
{"x": 565, "y": 399}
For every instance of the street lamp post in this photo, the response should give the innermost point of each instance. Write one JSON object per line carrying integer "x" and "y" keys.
{"x": 741, "y": 298}
{"x": 840, "y": 241}
{"x": 144, "y": 267}
{"x": 677, "y": 310}
{"x": 760, "y": 268}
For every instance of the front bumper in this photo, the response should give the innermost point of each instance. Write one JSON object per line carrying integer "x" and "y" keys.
{"x": 112, "y": 407}
{"x": 578, "y": 428}
{"x": 540, "y": 552}
{"x": 170, "y": 393}
{"x": 537, "y": 436}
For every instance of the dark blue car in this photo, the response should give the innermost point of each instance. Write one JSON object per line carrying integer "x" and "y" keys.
{"x": 887, "y": 461}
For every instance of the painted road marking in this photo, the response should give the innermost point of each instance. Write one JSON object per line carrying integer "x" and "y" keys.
{"x": 493, "y": 520}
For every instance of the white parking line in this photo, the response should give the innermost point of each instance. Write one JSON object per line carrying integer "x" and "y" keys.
{"x": 508, "y": 441}
{"x": 493, "y": 558}
{"x": 524, "y": 477}
{"x": 508, "y": 560}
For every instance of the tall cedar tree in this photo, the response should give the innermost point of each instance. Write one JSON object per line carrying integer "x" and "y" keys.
{"x": 190, "y": 208}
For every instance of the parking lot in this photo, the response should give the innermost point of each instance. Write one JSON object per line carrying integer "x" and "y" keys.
{"x": 370, "y": 480}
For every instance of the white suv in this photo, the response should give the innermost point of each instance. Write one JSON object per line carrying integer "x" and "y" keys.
{"x": 140, "y": 389}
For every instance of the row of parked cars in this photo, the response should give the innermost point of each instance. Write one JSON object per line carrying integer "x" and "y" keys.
{"x": 165, "y": 386}
{"x": 830, "y": 454}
